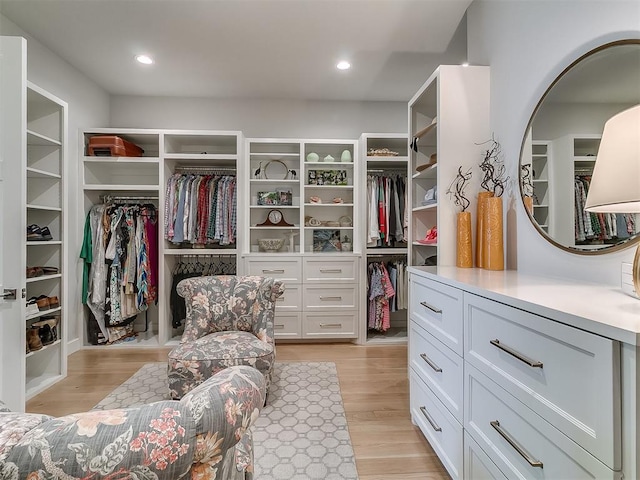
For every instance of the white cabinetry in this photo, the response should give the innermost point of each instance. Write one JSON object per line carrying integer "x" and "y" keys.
{"x": 384, "y": 156}
{"x": 547, "y": 380}
{"x": 542, "y": 185}
{"x": 46, "y": 208}
{"x": 448, "y": 124}
{"x": 144, "y": 179}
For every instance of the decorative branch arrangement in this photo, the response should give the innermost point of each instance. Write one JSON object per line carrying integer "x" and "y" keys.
{"x": 456, "y": 189}
{"x": 493, "y": 169}
{"x": 527, "y": 182}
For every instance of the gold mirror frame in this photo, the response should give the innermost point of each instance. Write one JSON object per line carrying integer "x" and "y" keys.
{"x": 608, "y": 248}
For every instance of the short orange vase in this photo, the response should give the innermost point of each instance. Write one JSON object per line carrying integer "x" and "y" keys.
{"x": 464, "y": 252}
{"x": 494, "y": 247}
{"x": 528, "y": 204}
{"x": 480, "y": 234}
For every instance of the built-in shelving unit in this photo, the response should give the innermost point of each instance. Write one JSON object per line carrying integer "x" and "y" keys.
{"x": 448, "y": 123}
{"x": 384, "y": 157}
{"x": 46, "y": 207}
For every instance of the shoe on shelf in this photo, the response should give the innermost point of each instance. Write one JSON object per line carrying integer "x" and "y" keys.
{"x": 47, "y": 329}
{"x": 54, "y": 302}
{"x": 431, "y": 237}
{"x": 50, "y": 270}
{"x": 33, "y": 339}
{"x": 43, "y": 303}
{"x": 32, "y": 307}
{"x": 46, "y": 233}
{"x": 34, "y": 233}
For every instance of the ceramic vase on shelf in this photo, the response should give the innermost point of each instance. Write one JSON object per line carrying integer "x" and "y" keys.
{"x": 493, "y": 258}
{"x": 480, "y": 234}
{"x": 464, "y": 251}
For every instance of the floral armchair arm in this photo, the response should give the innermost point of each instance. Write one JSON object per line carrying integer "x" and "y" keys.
{"x": 223, "y": 408}
{"x": 264, "y": 308}
{"x": 153, "y": 441}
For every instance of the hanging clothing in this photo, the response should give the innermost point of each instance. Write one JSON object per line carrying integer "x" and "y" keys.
{"x": 122, "y": 266}
{"x": 386, "y": 210}
{"x": 201, "y": 209}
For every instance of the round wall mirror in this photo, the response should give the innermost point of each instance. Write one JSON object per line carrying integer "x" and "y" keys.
{"x": 560, "y": 148}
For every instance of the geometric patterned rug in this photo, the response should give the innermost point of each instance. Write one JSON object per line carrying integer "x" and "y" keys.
{"x": 302, "y": 433}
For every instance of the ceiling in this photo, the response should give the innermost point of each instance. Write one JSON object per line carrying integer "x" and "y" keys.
{"x": 251, "y": 48}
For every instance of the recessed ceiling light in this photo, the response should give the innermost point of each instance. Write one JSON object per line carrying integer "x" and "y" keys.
{"x": 343, "y": 65}
{"x": 145, "y": 59}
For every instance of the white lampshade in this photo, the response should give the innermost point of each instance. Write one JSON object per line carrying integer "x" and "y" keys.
{"x": 615, "y": 183}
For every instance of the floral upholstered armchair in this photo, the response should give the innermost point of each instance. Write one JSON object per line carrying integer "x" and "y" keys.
{"x": 204, "y": 436}
{"x": 229, "y": 322}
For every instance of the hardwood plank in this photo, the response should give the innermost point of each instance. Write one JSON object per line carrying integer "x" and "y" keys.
{"x": 373, "y": 381}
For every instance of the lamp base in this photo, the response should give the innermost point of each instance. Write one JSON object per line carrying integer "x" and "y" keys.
{"x": 630, "y": 276}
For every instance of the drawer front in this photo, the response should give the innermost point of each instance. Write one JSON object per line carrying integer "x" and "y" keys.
{"x": 329, "y": 325}
{"x": 320, "y": 297}
{"x": 477, "y": 465}
{"x": 441, "y": 429}
{"x": 291, "y": 299}
{"x": 520, "y": 442}
{"x": 287, "y": 325}
{"x": 437, "y": 308}
{"x": 569, "y": 377}
{"x": 330, "y": 270}
{"x": 439, "y": 367}
{"x": 289, "y": 269}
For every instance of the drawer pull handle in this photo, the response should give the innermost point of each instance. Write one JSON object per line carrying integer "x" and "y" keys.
{"x": 434, "y": 425}
{"x": 430, "y": 362}
{"x": 326, "y": 299}
{"x": 280, "y": 299}
{"x": 330, "y": 325}
{"x": 278, "y": 326}
{"x": 272, "y": 271}
{"x": 433, "y": 309}
{"x": 517, "y": 447}
{"x": 518, "y": 355}
{"x": 330, "y": 270}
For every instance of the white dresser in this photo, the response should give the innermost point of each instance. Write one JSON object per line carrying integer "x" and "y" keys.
{"x": 515, "y": 376}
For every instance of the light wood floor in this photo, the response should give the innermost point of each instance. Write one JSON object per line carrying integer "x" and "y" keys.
{"x": 373, "y": 382}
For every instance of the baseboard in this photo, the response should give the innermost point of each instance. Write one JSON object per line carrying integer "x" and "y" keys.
{"x": 73, "y": 346}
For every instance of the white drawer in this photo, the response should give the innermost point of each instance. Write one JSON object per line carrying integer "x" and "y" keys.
{"x": 477, "y": 465}
{"x": 291, "y": 299}
{"x": 575, "y": 386}
{"x": 329, "y": 325}
{"x": 437, "y": 308}
{"x": 330, "y": 270}
{"x": 441, "y": 429}
{"x": 287, "y": 325}
{"x": 287, "y": 268}
{"x": 520, "y": 442}
{"x": 439, "y": 367}
{"x": 321, "y": 297}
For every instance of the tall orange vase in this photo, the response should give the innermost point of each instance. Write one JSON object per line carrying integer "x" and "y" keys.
{"x": 528, "y": 204}
{"x": 480, "y": 234}
{"x": 494, "y": 243}
{"x": 464, "y": 252}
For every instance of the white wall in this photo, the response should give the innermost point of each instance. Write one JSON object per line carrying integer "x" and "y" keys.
{"x": 88, "y": 106}
{"x": 261, "y": 117}
{"x": 528, "y": 44}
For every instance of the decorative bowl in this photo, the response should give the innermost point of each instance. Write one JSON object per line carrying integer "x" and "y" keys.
{"x": 270, "y": 244}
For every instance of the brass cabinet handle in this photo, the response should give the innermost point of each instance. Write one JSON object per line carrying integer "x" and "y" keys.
{"x": 430, "y": 307}
{"x": 517, "y": 447}
{"x": 330, "y": 270}
{"x": 272, "y": 271}
{"x": 330, "y": 325}
{"x": 518, "y": 355}
{"x": 325, "y": 299}
{"x": 430, "y": 362}
{"x": 434, "y": 425}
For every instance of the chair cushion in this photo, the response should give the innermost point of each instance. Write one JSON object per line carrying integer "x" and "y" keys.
{"x": 192, "y": 363}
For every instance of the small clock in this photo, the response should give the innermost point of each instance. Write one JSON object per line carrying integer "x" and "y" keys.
{"x": 275, "y": 219}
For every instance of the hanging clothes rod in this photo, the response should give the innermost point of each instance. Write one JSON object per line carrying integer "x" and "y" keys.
{"x": 205, "y": 256}
{"x": 115, "y": 198}
{"x": 388, "y": 170}
{"x": 205, "y": 169}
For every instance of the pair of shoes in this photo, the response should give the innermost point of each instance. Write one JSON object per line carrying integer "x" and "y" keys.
{"x": 47, "y": 329}
{"x": 37, "y": 234}
{"x": 431, "y": 237}
{"x": 43, "y": 303}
